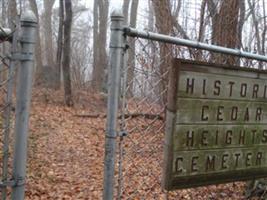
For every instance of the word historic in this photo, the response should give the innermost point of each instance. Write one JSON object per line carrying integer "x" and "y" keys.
{"x": 216, "y": 125}
{"x": 253, "y": 90}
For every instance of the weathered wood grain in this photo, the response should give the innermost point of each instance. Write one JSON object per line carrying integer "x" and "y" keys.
{"x": 216, "y": 127}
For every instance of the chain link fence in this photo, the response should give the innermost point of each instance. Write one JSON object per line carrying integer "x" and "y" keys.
{"x": 142, "y": 122}
{"x": 16, "y": 68}
{"x": 141, "y": 112}
{"x": 7, "y": 79}
{"x": 142, "y": 115}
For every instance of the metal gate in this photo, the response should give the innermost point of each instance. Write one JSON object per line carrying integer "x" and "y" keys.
{"x": 16, "y": 68}
{"x": 138, "y": 79}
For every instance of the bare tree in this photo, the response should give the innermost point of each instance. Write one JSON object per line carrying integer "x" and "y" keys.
{"x": 133, "y": 19}
{"x": 263, "y": 35}
{"x": 164, "y": 24}
{"x": 225, "y": 27}
{"x": 241, "y": 22}
{"x": 4, "y": 14}
{"x": 201, "y": 23}
{"x": 95, "y": 41}
{"x": 59, "y": 44}
{"x": 38, "y": 49}
{"x": 12, "y": 13}
{"x": 151, "y": 26}
{"x": 201, "y": 30}
{"x": 48, "y": 35}
{"x": 125, "y": 8}
{"x": 256, "y": 26}
{"x": 67, "y": 53}
{"x": 100, "y": 67}
{"x": 81, "y": 49}
{"x": 260, "y": 37}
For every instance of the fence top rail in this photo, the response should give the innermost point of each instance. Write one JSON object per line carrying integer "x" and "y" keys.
{"x": 132, "y": 32}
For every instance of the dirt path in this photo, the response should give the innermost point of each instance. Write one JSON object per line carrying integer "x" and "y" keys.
{"x": 66, "y": 159}
{"x": 65, "y": 155}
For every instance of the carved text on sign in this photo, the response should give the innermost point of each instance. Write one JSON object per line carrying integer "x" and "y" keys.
{"x": 216, "y": 128}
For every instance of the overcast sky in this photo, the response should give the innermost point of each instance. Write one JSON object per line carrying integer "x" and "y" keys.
{"x": 113, "y": 3}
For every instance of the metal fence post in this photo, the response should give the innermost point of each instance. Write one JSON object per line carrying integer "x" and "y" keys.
{"x": 116, "y": 50}
{"x": 23, "y": 94}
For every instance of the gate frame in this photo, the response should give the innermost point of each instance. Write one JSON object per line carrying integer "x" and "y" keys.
{"x": 117, "y": 47}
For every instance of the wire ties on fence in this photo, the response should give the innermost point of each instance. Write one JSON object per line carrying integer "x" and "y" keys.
{"x": 5, "y": 107}
{"x": 6, "y": 34}
{"x": 3, "y": 58}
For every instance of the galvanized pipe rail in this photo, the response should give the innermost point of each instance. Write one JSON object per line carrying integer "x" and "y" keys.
{"x": 132, "y": 32}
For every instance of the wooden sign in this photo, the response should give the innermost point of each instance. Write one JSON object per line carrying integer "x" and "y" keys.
{"x": 216, "y": 125}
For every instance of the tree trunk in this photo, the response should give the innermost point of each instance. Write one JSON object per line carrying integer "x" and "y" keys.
{"x": 67, "y": 53}
{"x": 256, "y": 26}
{"x": 125, "y": 9}
{"x": 260, "y": 38}
{"x": 100, "y": 67}
{"x": 263, "y": 35}
{"x": 164, "y": 24}
{"x": 201, "y": 28}
{"x": 38, "y": 49}
{"x": 95, "y": 44}
{"x": 48, "y": 6}
{"x": 4, "y": 14}
{"x": 131, "y": 62}
{"x": 12, "y": 13}
{"x": 59, "y": 45}
{"x": 225, "y": 29}
{"x": 241, "y": 22}
{"x": 151, "y": 14}
{"x": 240, "y": 25}
{"x": 103, "y": 59}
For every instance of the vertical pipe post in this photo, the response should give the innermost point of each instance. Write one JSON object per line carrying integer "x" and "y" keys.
{"x": 23, "y": 94}
{"x": 116, "y": 51}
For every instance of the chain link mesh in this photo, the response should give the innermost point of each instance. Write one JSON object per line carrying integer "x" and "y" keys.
{"x": 142, "y": 114}
{"x": 7, "y": 76}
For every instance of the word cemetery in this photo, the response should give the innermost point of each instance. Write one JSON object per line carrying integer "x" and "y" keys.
{"x": 216, "y": 126}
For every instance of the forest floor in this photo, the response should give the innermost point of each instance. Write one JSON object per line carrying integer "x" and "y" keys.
{"x": 66, "y": 152}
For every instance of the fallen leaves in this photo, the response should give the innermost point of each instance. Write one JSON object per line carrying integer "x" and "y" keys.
{"x": 66, "y": 154}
